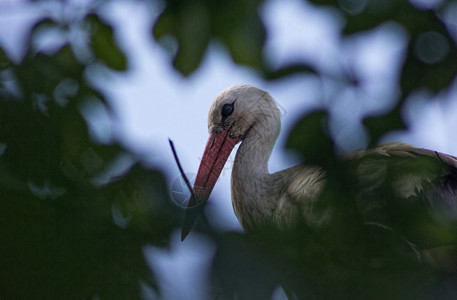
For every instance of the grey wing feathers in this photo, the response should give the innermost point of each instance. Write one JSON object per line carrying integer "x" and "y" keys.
{"x": 413, "y": 173}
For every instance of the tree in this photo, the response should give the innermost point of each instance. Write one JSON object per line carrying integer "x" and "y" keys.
{"x": 77, "y": 211}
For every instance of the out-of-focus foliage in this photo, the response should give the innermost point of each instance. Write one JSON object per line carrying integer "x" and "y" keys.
{"x": 431, "y": 46}
{"x": 194, "y": 24}
{"x": 429, "y": 49}
{"x": 103, "y": 39}
{"x": 75, "y": 213}
{"x": 74, "y": 218}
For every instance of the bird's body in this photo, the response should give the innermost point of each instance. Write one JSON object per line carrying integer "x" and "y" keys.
{"x": 247, "y": 114}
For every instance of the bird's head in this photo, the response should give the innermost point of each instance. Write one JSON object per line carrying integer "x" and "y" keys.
{"x": 234, "y": 113}
{"x": 238, "y": 108}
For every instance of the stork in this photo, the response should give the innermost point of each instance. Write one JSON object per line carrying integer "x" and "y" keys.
{"x": 248, "y": 115}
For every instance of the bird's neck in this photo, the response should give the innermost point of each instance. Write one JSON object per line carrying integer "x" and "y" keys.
{"x": 252, "y": 193}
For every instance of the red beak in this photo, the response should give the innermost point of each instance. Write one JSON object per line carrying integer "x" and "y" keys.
{"x": 217, "y": 151}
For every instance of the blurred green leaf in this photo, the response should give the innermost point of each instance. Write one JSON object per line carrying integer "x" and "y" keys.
{"x": 195, "y": 24}
{"x": 190, "y": 24}
{"x": 377, "y": 126}
{"x": 3, "y": 59}
{"x": 293, "y": 69}
{"x": 417, "y": 74}
{"x": 104, "y": 45}
{"x": 310, "y": 138}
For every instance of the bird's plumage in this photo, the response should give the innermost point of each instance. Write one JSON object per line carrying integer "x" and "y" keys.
{"x": 289, "y": 196}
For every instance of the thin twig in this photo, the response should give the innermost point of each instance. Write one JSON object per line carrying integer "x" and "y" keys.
{"x": 182, "y": 171}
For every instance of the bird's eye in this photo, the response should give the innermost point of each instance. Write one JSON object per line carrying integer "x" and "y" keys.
{"x": 227, "y": 110}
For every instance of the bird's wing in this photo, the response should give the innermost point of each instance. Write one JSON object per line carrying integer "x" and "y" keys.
{"x": 407, "y": 173}
{"x": 411, "y": 190}
{"x": 394, "y": 184}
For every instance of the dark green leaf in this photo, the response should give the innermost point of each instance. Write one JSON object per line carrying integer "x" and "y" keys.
{"x": 195, "y": 24}
{"x": 104, "y": 45}
{"x": 377, "y": 126}
{"x": 293, "y": 69}
{"x": 417, "y": 73}
{"x": 310, "y": 138}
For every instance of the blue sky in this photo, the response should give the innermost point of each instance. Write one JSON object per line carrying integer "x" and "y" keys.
{"x": 153, "y": 102}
